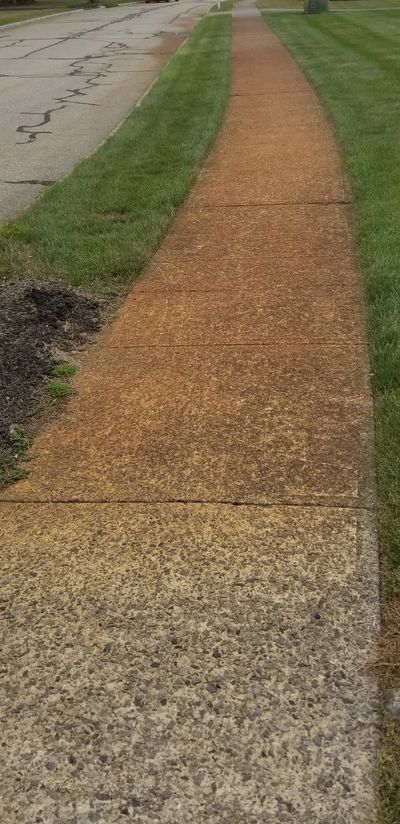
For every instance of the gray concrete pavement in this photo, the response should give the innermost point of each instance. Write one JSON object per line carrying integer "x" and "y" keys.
{"x": 66, "y": 82}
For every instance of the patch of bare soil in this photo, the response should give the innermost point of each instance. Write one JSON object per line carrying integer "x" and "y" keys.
{"x": 40, "y": 323}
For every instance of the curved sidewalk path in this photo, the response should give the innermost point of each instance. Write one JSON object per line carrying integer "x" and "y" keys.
{"x": 189, "y": 573}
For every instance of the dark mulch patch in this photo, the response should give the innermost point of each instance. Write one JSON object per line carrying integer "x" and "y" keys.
{"x": 40, "y": 323}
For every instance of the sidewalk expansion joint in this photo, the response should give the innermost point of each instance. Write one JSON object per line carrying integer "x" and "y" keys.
{"x": 237, "y": 291}
{"x": 185, "y": 502}
{"x": 278, "y": 345}
{"x": 198, "y": 206}
{"x": 267, "y": 204}
{"x": 294, "y": 92}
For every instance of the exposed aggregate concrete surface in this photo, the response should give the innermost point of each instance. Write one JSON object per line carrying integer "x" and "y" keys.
{"x": 189, "y": 573}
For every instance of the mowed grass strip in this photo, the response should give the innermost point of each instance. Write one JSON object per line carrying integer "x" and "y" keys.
{"x": 99, "y": 227}
{"x": 353, "y": 61}
{"x": 335, "y": 5}
{"x": 14, "y": 14}
{"x": 343, "y": 5}
{"x": 280, "y": 4}
{"x": 8, "y": 16}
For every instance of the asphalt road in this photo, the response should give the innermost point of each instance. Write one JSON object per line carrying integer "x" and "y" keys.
{"x": 67, "y": 81}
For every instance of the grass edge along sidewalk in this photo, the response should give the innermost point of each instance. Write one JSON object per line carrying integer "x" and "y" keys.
{"x": 23, "y": 13}
{"x": 8, "y": 18}
{"x": 99, "y": 227}
{"x": 350, "y": 61}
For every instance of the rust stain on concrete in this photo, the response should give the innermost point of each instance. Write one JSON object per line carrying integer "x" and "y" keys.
{"x": 189, "y": 572}
{"x": 302, "y": 229}
{"x": 237, "y": 317}
{"x": 248, "y": 424}
{"x": 265, "y": 247}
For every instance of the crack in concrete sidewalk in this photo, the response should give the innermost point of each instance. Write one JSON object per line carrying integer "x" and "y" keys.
{"x": 198, "y": 661}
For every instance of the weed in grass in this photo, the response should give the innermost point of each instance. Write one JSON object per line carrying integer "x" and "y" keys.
{"x": 19, "y": 441}
{"x": 58, "y": 390}
{"x": 16, "y": 230}
{"x": 11, "y": 474}
{"x": 64, "y": 370}
{"x": 16, "y": 453}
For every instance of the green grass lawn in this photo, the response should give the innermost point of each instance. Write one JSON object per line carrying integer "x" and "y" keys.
{"x": 100, "y": 226}
{"x": 19, "y": 15}
{"x": 15, "y": 14}
{"x": 45, "y": 6}
{"x": 59, "y": 5}
{"x": 280, "y": 4}
{"x": 354, "y": 62}
{"x": 342, "y": 5}
{"x": 335, "y": 5}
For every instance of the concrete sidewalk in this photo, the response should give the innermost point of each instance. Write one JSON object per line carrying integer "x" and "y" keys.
{"x": 189, "y": 573}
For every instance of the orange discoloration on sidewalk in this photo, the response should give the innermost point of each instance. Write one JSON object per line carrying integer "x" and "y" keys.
{"x": 192, "y": 558}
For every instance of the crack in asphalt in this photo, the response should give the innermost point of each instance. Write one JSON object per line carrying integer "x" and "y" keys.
{"x": 79, "y": 68}
{"x": 92, "y": 69}
{"x": 31, "y": 182}
{"x": 33, "y": 131}
{"x": 79, "y": 34}
{"x": 13, "y": 43}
